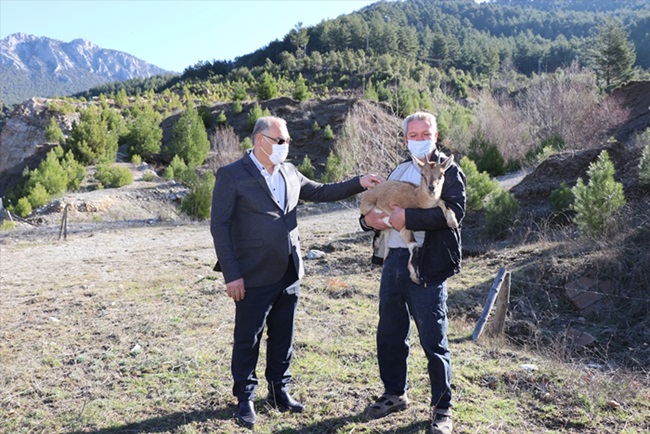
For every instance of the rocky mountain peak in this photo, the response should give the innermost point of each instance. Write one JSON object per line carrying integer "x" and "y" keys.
{"x": 44, "y": 67}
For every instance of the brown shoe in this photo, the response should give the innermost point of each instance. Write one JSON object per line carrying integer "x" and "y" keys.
{"x": 387, "y": 404}
{"x": 441, "y": 421}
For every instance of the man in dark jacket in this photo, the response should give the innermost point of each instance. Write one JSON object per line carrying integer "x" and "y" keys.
{"x": 439, "y": 257}
{"x": 255, "y": 234}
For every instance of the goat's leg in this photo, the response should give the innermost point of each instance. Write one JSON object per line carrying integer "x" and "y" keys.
{"x": 409, "y": 239}
{"x": 449, "y": 215}
{"x": 380, "y": 244}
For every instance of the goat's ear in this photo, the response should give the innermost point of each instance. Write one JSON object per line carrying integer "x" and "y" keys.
{"x": 447, "y": 162}
{"x": 417, "y": 160}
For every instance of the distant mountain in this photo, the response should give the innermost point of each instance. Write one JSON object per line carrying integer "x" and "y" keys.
{"x": 38, "y": 66}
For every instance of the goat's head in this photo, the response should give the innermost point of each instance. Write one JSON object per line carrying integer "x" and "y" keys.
{"x": 433, "y": 174}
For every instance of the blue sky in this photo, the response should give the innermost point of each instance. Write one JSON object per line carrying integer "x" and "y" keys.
{"x": 171, "y": 34}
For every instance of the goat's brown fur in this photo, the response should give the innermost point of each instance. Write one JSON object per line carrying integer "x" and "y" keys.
{"x": 385, "y": 196}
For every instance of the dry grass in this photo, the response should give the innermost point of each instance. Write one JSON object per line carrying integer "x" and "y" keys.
{"x": 129, "y": 331}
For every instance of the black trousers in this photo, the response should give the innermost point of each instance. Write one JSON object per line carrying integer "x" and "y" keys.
{"x": 273, "y": 306}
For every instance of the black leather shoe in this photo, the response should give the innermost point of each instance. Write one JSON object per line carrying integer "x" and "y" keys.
{"x": 246, "y": 414}
{"x": 283, "y": 401}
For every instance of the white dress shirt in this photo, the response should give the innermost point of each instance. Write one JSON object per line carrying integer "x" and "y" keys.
{"x": 274, "y": 180}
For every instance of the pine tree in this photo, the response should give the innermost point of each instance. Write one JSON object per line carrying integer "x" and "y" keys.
{"x": 189, "y": 138}
{"x": 597, "y": 202}
{"x": 53, "y": 133}
{"x": 613, "y": 54}
{"x": 121, "y": 99}
{"x": 300, "y": 90}
{"x": 299, "y": 38}
{"x": 145, "y": 135}
{"x": 267, "y": 87}
{"x": 50, "y": 175}
{"x": 91, "y": 141}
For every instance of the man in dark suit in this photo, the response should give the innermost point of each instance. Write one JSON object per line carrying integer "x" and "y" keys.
{"x": 255, "y": 234}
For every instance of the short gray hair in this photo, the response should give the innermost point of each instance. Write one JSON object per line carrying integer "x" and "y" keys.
{"x": 420, "y": 116}
{"x": 264, "y": 124}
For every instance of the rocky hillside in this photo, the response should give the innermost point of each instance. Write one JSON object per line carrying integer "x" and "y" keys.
{"x": 23, "y": 143}
{"x": 22, "y": 139}
{"x": 39, "y": 66}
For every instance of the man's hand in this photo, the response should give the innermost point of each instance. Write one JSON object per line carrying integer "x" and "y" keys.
{"x": 235, "y": 289}
{"x": 374, "y": 219}
{"x": 397, "y": 218}
{"x": 370, "y": 180}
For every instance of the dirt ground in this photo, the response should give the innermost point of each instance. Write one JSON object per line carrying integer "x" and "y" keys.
{"x": 123, "y": 326}
{"x": 140, "y": 248}
{"x": 135, "y": 234}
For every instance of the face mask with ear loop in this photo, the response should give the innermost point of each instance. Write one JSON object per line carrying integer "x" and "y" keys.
{"x": 279, "y": 153}
{"x": 420, "y": 148}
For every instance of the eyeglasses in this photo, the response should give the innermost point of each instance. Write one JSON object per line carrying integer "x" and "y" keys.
{"x": 278, "y": 140}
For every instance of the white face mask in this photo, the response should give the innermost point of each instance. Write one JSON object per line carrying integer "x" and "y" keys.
{"x": 279, "y": 153}
{"x": 420, "y": 148}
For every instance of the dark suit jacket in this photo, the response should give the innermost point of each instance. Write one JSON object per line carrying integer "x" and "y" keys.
{"x": 252, "y": 236}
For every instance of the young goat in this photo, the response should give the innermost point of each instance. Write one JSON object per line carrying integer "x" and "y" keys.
{"x": 404, "y": 194}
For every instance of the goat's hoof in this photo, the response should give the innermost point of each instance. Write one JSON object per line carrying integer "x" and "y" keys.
{"x": 451, "y": 220}
{"x": 453, "y": 224}
{"x": 414, "y": 272}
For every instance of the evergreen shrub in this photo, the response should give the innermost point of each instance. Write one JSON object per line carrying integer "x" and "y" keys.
{"x": 255, "y": 113}
{"x": 479, "y": 184}
{"x": 38, "y": 195}
{"x": 561, "y": 199}
{"x": 328, "y": 134}
{"x": 113, "y": 176}
{"x": 487, "y": 156}
{"x": 198, "y": 201}
{"x": 222, "y": 120}
{"x": 23, "y": 208}
{"x": 189, "y": 138}
{"x": 8, "y": 225}
{"x": 176, "y": 167}
{"x": 53, "y": 133}
{"x": 246, "y": 144}
{"x": 333, "y": 169}
{"x": 501, "y": 210}
{"x": 306, "y": 167}
{"x": 597, "y": 202}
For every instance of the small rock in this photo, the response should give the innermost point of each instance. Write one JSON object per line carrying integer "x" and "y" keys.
{"x": 613, "y": 404}
{"x": 579, "y": 338}
{"x": 315, "y": 254}
{"x": 529, "y": 367}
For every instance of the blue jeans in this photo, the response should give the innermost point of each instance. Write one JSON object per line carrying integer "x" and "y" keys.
{"x": 399, "y": 300}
